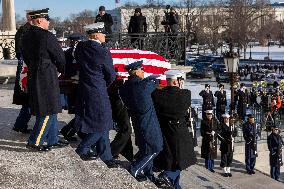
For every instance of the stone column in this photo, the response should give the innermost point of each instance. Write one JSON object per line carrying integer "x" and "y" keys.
{"x": 8, "y": 14}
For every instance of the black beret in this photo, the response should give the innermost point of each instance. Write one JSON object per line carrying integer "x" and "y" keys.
{"x": 221, "y": 85}
{"x": 207, "y": 85}
{"x": 134, "y": 65}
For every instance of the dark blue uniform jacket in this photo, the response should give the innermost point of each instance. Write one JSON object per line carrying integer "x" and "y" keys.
{"x": 96, "y": 73}
{"x": 136, "y": 94}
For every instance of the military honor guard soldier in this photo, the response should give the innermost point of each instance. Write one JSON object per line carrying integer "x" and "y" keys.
{"x": 178, "y": 152}
{"x": 250, "y": 136}
{"x": 208, "y": 100}
{"x": 44, "y": 58}
{"x": 93, "y": 115}
{"x": 221, "y": 102}
{"x": 275, "y": 143}
{"x": 242, "y": 102}
{"x": 209, "y": 130}
{"x": 20, "y": 96}
{"x": 226, "y": 136}
{"x": 136, "y": 95}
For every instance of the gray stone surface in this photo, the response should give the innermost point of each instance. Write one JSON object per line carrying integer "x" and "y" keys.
{"x": 62, "y": 168}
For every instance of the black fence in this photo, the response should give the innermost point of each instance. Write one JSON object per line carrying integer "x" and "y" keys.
{"x": 7, "y": 47}
{"x": 170, "y": 46}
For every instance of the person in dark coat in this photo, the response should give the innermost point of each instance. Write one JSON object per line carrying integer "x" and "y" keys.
{"x": 136, "y": 95}
{"x": 208, "y": 100}
{"x": 173, "y": 21}
{"x": 242, "y": 102}
{"x": 178, "y": 152}
{"x": 93, "y": 109}
{"x": 275, "y": 143}
{"x": 71, "y": 71}
{"x": 250, "y": 136}
{"x": 20, "y": 96}
{"x": 137, "y": 25}
{"x": 105, "y": 18}
{"x": 226, "y": 136}
{"x": 221, "y": 102}
{"x": 209, "y": 130}
{"x": 122, "y": 143}
{"x": 44, "y": 59}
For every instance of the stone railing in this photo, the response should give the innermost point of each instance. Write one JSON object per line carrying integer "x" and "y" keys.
{"x": 7, "y": 47}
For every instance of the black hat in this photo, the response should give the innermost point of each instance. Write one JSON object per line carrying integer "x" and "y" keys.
{"x": 221, "y": 85}
{"x": 207, "y": 85}
{"x": 138, "y": 10}
{"x": 250, "y": 116}
{"x": 274, "y": 126}
{"x": 102, "y": 8}
{"x": 242, "y": 85}
{"x": 134, "y": 66}
{"x": 43, "y": 13}
{"x": 76, "y": 37}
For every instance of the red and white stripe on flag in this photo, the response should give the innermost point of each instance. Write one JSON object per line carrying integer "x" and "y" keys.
{"x": 152, "y": 62}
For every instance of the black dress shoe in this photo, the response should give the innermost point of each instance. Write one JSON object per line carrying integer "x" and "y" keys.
{"x": 225, "y": 175}
{"x": 252, "y": 172}
{"x": 88, "y": 157}
{"x": 140, "y": 177}
{"x": 58, "y": 145}
{"x": 230, "y": 174}
{"x": 249, "y": 172}
{"x": 212, "y": 170}
{"x": 38, "y": 148}
{"x": 111, "y": 164}
{"x": 156, "y": 180}
{"x": 24, "y": 131}
{"x": 165, "y": 180}
{"x": 70, "y": 138}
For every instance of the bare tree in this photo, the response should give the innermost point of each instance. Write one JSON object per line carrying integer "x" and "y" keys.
{"x": 243, "y": 18}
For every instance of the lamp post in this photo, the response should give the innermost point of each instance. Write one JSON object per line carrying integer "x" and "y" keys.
{"x": 231, "y": 60}
{"x": 268, "y": 44}
{"x": 250, "y": 52}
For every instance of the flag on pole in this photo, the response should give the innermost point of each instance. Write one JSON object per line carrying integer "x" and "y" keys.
{"x": 116, "y": 1}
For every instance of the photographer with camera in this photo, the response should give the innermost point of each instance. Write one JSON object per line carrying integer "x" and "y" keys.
{"x": 171, "y": 20}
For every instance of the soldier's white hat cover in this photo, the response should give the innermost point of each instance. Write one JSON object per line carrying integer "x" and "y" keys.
{"x": 226, "y": 115}
{"x": 173, "y": 74}
{"x": 98, "y": 27}
{"x": 209, "y": 111}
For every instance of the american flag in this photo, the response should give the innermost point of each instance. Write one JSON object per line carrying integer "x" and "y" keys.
{"x": 152, "y": 64}
{"x": 116, "y": 1}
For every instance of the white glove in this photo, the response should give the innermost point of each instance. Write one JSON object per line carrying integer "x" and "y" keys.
{"x": 213, "y": 133}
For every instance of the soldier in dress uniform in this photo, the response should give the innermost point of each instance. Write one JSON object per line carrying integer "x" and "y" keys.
{"x": 250, "y": 136}
{"x": 208, "y": 100}
{"x": 136, "y": 95}
{"x": 226, "y": 136}
{"x": 275, "y": 143}
{"x": 71, "y": 70}
{"x": 221, "y": 102}
{"x": 20, "y": 96}
{"x": 242, "y": 102}
{"x": 178, "y": 152}
{"x": 209, "y": 130}
{"x": 44, "y": 59}
{"x": 93, "y": 109}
